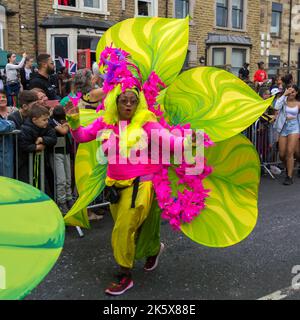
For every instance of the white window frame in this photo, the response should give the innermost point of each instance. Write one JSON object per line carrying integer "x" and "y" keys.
{"x": 1, "y": 36}
{"x": 2, "y": 26}
{"x": 154, "y": 12}
{"x": 241, "y": 49}
{"x": 174, "y": 8}
{"x": 229, "y": 21}
{"x": 229, "y": 49}
{"x": 71, "y": 33}
{"x": 81, "y": 8}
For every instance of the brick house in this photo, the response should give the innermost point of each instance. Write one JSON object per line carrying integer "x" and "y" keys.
{"x": 222, "y": 32}
{"x": 275, "y": 23}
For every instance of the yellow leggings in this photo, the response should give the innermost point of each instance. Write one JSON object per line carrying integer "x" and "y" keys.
{"x": 129, "y": 221}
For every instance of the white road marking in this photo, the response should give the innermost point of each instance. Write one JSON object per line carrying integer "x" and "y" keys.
{"x": 282, "y": 294}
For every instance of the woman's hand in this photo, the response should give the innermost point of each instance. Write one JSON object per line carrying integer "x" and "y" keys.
{"x": 288, "y": 91}
{"x": 70, "y": 109}
{"x": 25, "y": 55}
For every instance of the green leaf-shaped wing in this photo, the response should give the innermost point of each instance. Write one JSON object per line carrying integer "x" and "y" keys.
{"x": 231, "y": 209}
{"x": 89, "y": 175}
{"x": 213, "y": 100}
{"x": 155, "y": 44}
{"x": 31, "y": 237}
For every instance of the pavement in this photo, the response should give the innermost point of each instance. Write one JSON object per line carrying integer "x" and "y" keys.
{"x": 259, "y": 267}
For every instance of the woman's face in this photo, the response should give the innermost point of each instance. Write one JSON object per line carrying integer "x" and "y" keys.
{"x": 127, "y": 105}
{"x": 293, "y": 94}
{"x": 42, "y": 97}
{"x": 13, "y": 58}
{"x": 3, "y": 100}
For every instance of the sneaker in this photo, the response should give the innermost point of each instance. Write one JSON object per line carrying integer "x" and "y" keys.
{"x": 275, "y": 170}
{"x": 121, "y": 286}
{"x": 63, "y": 207}
{"x": 152, "y": 262}
{"x": 288, "y": 181}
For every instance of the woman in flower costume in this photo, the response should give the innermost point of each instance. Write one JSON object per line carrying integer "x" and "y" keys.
{"x": 141, "y": 59}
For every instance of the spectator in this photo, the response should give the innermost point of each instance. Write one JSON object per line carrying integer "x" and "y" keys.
{"x": 277, "y": 83}
{"x": 244, "y": 72}
{"x": 91, "y": 96}
{"x": 26, "y": 73}
{"x": 287, "y": 126}
{"x": 62, "y": 162}
{"x": 260, "y": 76}
{"x": 36, "y": 136}
{"x": 42, "y": 98}
{"x": 5, "y": 111}
{"x": 42, "y": 78}
{"x": 6, "y": 148}
{"x": 64, "y": 82}
{"x": 26, "y": 100}
{"x": 287, "y": 80}
{"x": 12, "y": 81}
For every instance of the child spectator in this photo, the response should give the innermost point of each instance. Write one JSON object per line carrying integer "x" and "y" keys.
{"x": 6, "y": 148}
{"x": 62, "y": 164}
{"x": 26, "y": 100}
{"x": 36, "y": 136}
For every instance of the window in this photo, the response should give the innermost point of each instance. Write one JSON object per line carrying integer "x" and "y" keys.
{"x": 88, "y": 42}
{"x": 67, "y": 3}
{"x": 230, "y": 14}
{"x": 238, "y": 58}
{"x": 145, "y": 8}
{"x": 237, "y": 14}
{"x": 181, "y": 8}
{"x": 276, "y": 19}
{"x": 222, "y": 13}
{"x": 92, "y": 4}
{"x": 274, "y": 65}
{"x": 60, "y": 48}
{"x": 219, "y": 57}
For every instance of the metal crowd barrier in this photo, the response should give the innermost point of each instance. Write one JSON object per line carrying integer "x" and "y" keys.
{"x": 5, "y": 150}
{"x": 265, "y": 139}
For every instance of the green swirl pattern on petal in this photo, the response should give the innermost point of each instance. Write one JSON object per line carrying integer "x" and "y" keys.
{"x": 213, "y": 100}
{"x": 231, "y": 209}
{"x": 155, "y": 44}
{"x": 18, "y": 193}
{"x": 89, "y": 175}
{"x": 31, "y": 238}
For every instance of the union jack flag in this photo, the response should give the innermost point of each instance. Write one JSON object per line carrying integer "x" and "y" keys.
{"x": 70, "y": 65}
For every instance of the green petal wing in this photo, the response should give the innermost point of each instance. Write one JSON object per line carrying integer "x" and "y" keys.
{"x": 31, "y": 237}
{"x": 89, "y": 175}
{"x": 155, "y": 44}
{"x": 213, "y": 100}
{"x": 231, "y": 209}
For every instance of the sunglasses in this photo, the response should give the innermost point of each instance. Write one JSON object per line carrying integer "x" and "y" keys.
{"x": 125, "y": 101}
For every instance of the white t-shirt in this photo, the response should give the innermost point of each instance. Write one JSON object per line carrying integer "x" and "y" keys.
{"x": 11, "y": 70}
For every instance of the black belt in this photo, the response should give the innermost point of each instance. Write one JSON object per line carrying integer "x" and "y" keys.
{"x": 136, "y": 183}
{"x": 114, "y": 193}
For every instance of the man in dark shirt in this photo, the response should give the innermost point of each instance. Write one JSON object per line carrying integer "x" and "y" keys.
{"x": 42, "y": 78}
{"x": 244, "y": 72}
